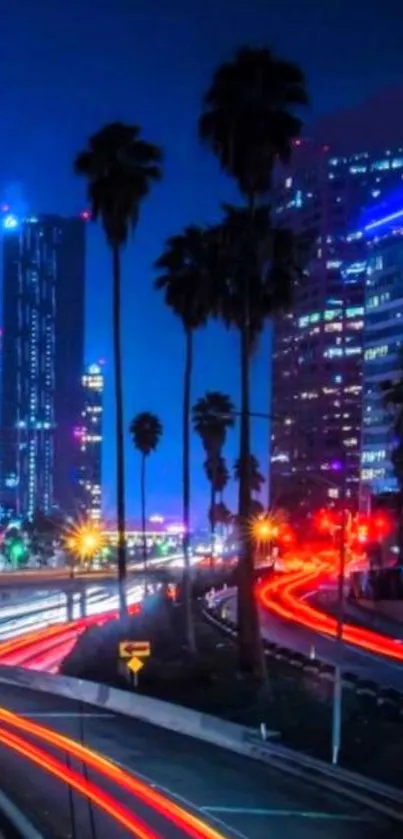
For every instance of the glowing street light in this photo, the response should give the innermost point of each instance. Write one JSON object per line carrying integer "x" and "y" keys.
{"x": 85, "y": 541}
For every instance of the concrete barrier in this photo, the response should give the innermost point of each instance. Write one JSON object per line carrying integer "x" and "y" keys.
{"x": 13, "y": 820}
{"x": 362, "y": 687}
{"x": 145, "y": 708}
{"x": 236, "y": 738}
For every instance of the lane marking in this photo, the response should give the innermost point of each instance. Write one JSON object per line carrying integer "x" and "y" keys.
{"x": 60, "y": 715}
{"x": 306, "y": 814}
{"x": 186, "y": 802}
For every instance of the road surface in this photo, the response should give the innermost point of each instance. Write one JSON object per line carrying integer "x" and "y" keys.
{"x": 240, "y": 798}
{"x": 310, "y": 643}
{"x": 21, "y": 614}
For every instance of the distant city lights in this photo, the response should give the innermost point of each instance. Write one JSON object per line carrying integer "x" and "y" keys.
{"x": 10, "y": 222}
{"x": 384, "y": 220}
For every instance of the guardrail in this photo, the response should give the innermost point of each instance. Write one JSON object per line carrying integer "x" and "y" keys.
{"x": 232, "y": 736}
{"x": 387, "y": 699}
{"x": 13, "y": 821}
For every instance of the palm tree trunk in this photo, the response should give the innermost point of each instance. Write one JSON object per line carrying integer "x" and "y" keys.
{"x": 250, "y": 651}
{"x": 212, "y": 520}
{"x": 120, "y": 455}
{"x": 143, "y": 517}
{"x": 187, "y": 582}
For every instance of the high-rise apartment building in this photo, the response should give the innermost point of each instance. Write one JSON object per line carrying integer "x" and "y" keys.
{"x": 383, "y": 344}
{"x": 317, "y": 349}
{"x": 42, "y": 361}
{"x": 89, "y": 436}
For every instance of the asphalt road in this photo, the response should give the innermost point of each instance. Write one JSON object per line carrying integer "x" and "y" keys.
{"x": 302, "y": 640}
{"x": 242, "y": 798}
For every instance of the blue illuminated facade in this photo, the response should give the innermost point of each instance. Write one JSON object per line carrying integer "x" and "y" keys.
{"x": 383, "y": 345}
{"x": 42, "y": 362}
{"x": 318, "y": 349}
{"x": 89, "y": 440}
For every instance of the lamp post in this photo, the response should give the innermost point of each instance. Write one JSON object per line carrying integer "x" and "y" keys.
{"x": 345, "y": 517}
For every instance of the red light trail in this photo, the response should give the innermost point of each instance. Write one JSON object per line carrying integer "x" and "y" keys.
{"x": 46, "y": 648}
{"x": 282, "y": 596}
{"x": 190, "y": 824}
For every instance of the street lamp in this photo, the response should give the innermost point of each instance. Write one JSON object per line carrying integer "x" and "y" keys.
{"x": 84, "y": 541}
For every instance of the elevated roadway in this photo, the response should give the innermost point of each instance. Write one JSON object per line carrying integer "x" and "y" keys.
{"x": 225, "y": 794}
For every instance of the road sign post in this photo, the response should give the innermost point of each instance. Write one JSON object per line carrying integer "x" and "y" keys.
{"x": 134, "y": 652}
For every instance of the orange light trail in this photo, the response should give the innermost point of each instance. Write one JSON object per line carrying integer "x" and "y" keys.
{"x": 187, "y": 822}
{"x": 282, "y": 596}
{"x": 91, "y": 791}
{"x": 30, "y": 649}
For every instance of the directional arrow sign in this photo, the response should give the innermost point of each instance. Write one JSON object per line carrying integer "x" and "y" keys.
{"x": 135, "y": 664}
{"x": 128, "y": 649}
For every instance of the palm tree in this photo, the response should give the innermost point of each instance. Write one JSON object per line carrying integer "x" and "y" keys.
{"x": 266, "y": 261}
{"x": 120, "y": 168}
{"x": 256, "y": 479}
{"x": 146, "y": 431}
{"x": 213, "y": 414}
{"x": 185, "y": 275}
{"x": 217, "y": 472}
{"x": 222, "y": 515}
{"x": 249, "y": 122}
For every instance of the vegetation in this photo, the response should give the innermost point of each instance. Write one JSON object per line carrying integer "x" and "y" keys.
{"x": 146, "y": 432}
{"x": 241, "y": 271}
{"x": 249, "y": 123}
{"x": 186, "y": 276}
{"x": 120, "y": 168}
{"x": 255, "y": 477}
{"x": 213, "y": 414}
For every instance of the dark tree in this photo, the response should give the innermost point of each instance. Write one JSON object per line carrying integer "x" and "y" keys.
{"x": 120, "y": 168}
{"x": 249, "y": 122}
{"x": 146, "y": 432}
{"x": 255, "y": 477}
{"x": 185, "y": 275}
{"x": 213, "y": 414}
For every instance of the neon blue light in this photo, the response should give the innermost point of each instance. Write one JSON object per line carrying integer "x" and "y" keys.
{"x": 384, "y": 220}
{"x": 10, "y": 223}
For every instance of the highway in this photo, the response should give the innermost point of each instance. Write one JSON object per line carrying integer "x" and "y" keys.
{"x": 288, "y": 620}
{"x": 221, "y": 793}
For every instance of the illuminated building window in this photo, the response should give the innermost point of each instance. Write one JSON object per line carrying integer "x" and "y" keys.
{"x": 381, "y": 164}
{"x": 374, "y": 456}
{"x": 354, "y": 311}
{"x": 331, "y": 314}
{"x": 334, "y": 327}
{"x": 373, "y": 353}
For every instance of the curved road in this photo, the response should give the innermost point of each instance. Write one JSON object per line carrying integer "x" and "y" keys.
{"x": 238, "y": 797}
{"x": 299, "y": 638}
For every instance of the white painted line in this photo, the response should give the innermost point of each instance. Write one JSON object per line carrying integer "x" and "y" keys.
{"x": 181, "y": 799}
{"x": 306, "y": 814}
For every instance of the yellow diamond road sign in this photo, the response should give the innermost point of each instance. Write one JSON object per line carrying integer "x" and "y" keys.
{"x": 135, "y": 664}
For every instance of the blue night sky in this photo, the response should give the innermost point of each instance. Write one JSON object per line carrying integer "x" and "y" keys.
{"x": 69, "y": 67}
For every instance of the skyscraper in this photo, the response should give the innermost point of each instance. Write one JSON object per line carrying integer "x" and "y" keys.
{"x": 383, "y": 344}
{"x": 42, "y": 361}
{"x": 317, "y": 350}
{"x": 89, "y": 437}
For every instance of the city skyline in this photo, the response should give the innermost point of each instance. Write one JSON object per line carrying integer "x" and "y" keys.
{"x": 166, "y": 101}
{"x": 42, "y": 361}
